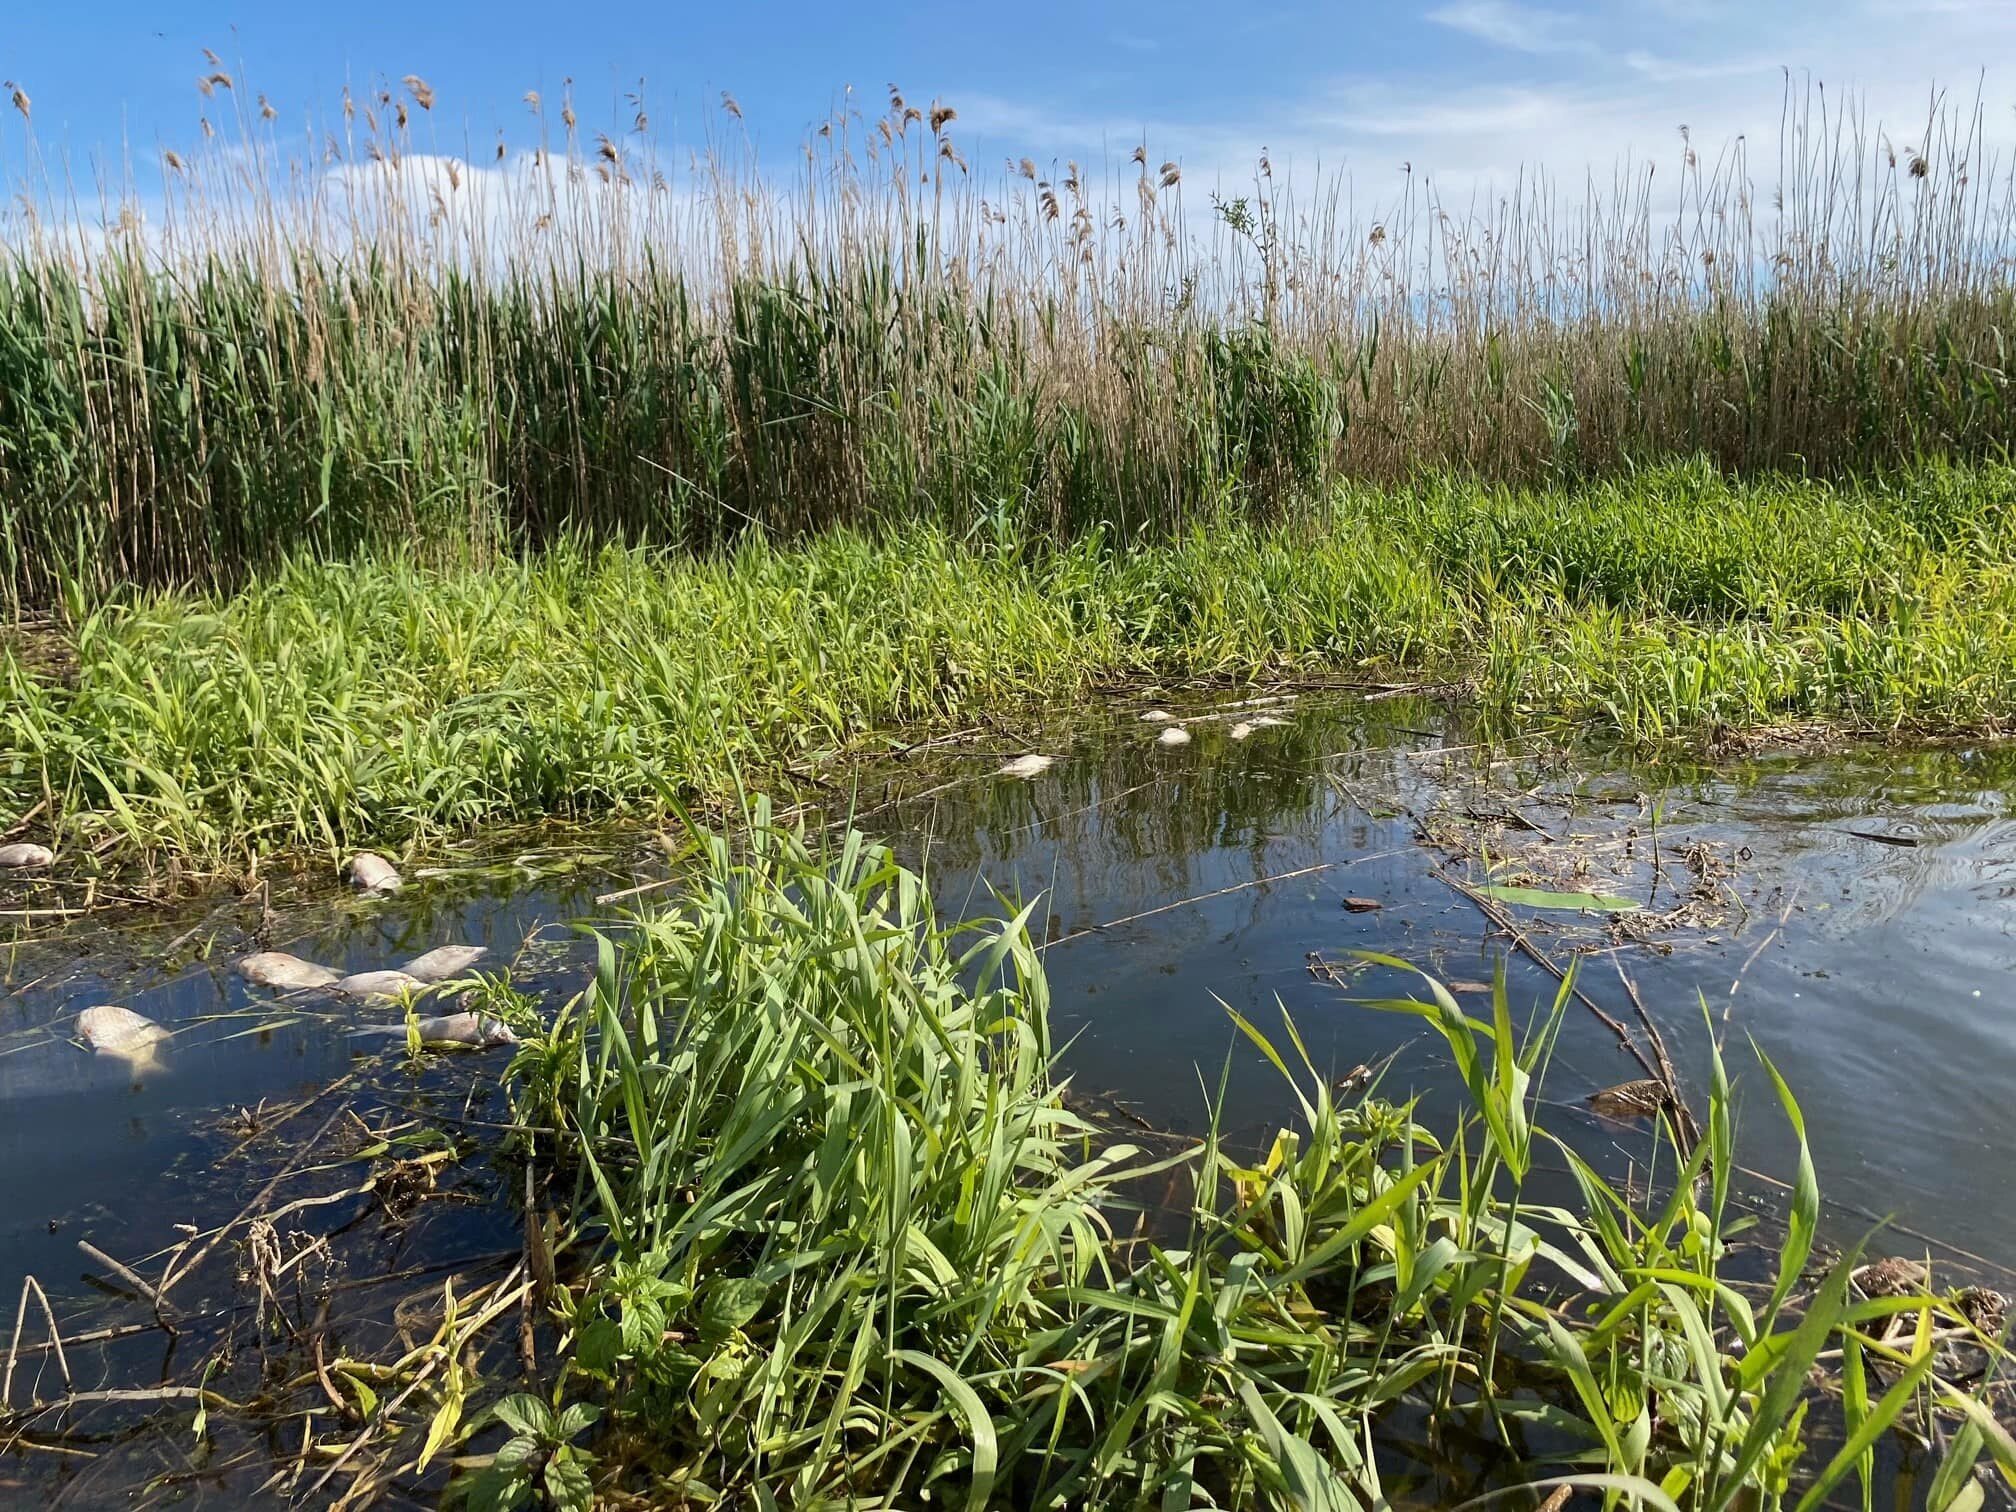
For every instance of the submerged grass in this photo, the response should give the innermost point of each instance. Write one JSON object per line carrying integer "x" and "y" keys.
{"x": 838, "y": 1239}
{"x": 330, "y": 705}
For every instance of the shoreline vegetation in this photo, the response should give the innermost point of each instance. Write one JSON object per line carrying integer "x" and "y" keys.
{"x": 327, "y": 337}
{"x": 380, "y": 701}
{"x": 353, "y": 494}
{"x": 837, "y": 1235}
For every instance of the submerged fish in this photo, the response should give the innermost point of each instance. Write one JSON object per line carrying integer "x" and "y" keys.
{"x": 276, "y": 968}
{"x": 23, "y": 856}
{"x": 444, "y": 962}
{"x": 1175, "y": 735}
{"x": 1892, "y": 1277}
{"x": 1028, "y": 766}
{"x": 1629, "y": 1100}
{"x": 380, "y": 984}
{"x": 373, "y": 874}
{"x": 474, "y": 1030}
{"x": 120, "y": 1032}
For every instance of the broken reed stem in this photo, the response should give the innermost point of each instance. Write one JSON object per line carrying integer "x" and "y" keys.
{"x": 1504, "y": 923}
{"x": 1689, "y": 1132}
{"x": 29, "y": 1283}
{"x": 133, "y": 1279}
{"x": 175, "y": 1273}
{"x": 1287, "y": 876}
{"x": 501, "y": 1301}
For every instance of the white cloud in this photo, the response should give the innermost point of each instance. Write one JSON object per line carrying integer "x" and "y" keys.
{"x": 1523, "y": 28}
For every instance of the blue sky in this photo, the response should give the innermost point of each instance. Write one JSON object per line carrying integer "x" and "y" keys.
{"x": 1469, "y": 90}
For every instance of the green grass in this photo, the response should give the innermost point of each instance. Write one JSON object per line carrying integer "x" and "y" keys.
{"x": 836, "y": 1237}
{"x": 378, "y": 701}
{"x": 251, "y": 349}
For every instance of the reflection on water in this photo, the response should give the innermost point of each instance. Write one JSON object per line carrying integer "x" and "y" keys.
{"x": 1877, "y": 974}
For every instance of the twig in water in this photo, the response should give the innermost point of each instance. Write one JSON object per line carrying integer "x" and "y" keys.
{"x": 176, "y": 1272}
{"x": 449, "y": 1349}
{"x": 1689, "y": 1130}
{"x": 132, "y": 1279}
{"x": 1503, "y": 921}
{"x": 29, "y": 1283}
{"x": 1287, "y": 876}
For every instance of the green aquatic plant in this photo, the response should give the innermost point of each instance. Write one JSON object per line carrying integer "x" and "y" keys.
{"x": 838, "y": 1236}
{"x": 330, "y": 706}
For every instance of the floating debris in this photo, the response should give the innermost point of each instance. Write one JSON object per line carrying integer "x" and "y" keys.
{"x": 1157, "y": 716}
{"x": 275, "y": 968}
{"x": 1983, "y": 1306}
{"x": 1175, "y": 735}
{"x": 1026, "y": 767}
{"x": 1894, "y": 1277}
{"x": 373, "y": 874}
{"x": 380, "y": 984}
{"x": 475, "y": 1031}
{"x": 121, "y": 1033}
{"x": 1362, "y": 905}
{"x": 1629, "y": 1100}
{"x": 444, "y": 962}
{"x": 24, "y": 856}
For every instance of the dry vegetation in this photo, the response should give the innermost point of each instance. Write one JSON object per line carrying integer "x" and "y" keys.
{"x": 370, "y": 341}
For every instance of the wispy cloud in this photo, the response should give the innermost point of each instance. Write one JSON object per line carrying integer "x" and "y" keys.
{"x": 1522, "y": 28}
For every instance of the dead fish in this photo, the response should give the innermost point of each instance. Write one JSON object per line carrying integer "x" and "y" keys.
{"x": 476, "y": 1030}
{"x": 1157, "y": 716}
{"x": 276, "y": 968}
{"x": 444, "y": 962}
{"x": 373, "y": 874}
{"x": 1240, "y": 731}
{"x": 1028, "y": 766}
{"x": 1175, "y": 735}
{"x": 24, "y": 856}
{"x": 120, "y": 1032}
{"x": 1362, "y": 905}
{"x": 1268, "y": 722}
{"x": 1894, "y": 1277}
{"x": 380, "y": 984}
{"x": 1629, "y": 1100}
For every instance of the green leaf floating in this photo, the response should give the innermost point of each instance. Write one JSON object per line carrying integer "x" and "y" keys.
{"x": 1533, "y": 897}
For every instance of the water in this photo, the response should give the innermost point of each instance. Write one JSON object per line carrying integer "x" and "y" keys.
{"x": 1876, "y": 975}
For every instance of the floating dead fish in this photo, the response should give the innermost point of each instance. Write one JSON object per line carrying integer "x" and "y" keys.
{"x": 1028, "y": 766}
{"x": 1268, "y": 722}
{"x": 1240, "y": 731}
{"x": 1175, "y": 735}
{"x": 24, "y": 857}
{"x": 444, "y": 962}
{"x": 1157, "y": 716}
{"x": 1362, "y": 905}
{"x": 1471, "y": 988}
{"x": 1629, "y": 1100}
{"x": 275, "y": 968}
{"x": 373, "y": 874}
{"x": 1894, "y": 1277}
{"x": 476, "y": 1031}
{"x": 120, "y": 1032}
{"x": 381, "y": 984}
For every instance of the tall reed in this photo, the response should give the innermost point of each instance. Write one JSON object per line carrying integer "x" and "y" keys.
{"x": 376, "y": 341}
